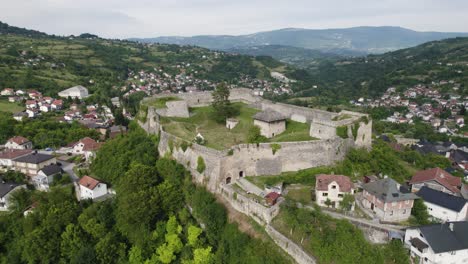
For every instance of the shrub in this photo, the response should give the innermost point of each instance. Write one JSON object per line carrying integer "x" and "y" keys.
{"x": 184, "y": 145}
{"x": 254, "y": 135}
{"x": 201, "y": 164}
{"x": 230, "y": 152}
{"x": 275, "y": 147}
{"x": 354, "y": 130}
{"x": 342, "y": 132}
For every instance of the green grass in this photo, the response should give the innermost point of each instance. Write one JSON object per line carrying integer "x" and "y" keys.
{"x": 295, "y": 131}
{"x": 160, "y": 103}
{"x": 6, "y": 106}
{"x": 302, "y": 194}
{"x": 217, "y": 135}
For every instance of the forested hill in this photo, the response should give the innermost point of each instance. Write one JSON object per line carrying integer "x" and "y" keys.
{"x": 370, "y": 76}
{"x": 31, "y": 59}
{"x": 359, "y": 39}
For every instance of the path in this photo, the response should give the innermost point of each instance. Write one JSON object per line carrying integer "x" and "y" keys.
{"x": 68, "y": 168}
{"x": 369, "y": 223}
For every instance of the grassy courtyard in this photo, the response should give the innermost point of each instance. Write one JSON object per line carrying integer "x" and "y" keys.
{"x": 160, "y": 103}
{"x": 6, "y": 106}
{"x": 218, "y": 136}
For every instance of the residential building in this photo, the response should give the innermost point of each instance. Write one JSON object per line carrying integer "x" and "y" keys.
{"x": 31, "y": 164}
{"x": 45, "y": 176}
{"x": 388, "y": 200}
{"x": 271, "y": 123}
{"x": 18, "y": 142}
{"x": 437, "y": 179}
{"x": 20, "y": 116}
{"x": 7, "y": 157}
{"x": 443, "y": 206}
{"x": 439, "y": 243}
{"x": 6, "y": 191}
{"x": 7, "y": 92}
{"x": 87, "y": 147}
{"x": 78, "y": 91}
{"x": 332, "y": 188}
{"x": 91, "y": 188}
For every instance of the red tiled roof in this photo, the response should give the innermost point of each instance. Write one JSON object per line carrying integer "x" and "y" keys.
{"x": 89, "y": 182}
{"x": 439, "y": 175}
{"x": 323, "y": 180}
{"x": 14, "y": 153}
{"x": 89, "y": 144}
{"x": 272, "y": 196}
{"x": 57, "y": 102}
{"x": 19, "y": 140}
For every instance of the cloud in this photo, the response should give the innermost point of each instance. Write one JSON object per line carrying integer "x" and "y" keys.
{"x": 147, "y": 18}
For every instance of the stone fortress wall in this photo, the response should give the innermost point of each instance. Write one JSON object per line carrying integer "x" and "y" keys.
{"x": 258, "y": 159}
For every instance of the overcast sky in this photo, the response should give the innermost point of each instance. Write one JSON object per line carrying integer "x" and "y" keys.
{"x": 151, "y": 18}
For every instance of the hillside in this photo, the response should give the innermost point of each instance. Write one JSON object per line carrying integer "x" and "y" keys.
{"x": 370, "y": 76}
{"x": 359, "y": 39}
{"x": 299, "y": 57}
{"x": 31, "y": 59}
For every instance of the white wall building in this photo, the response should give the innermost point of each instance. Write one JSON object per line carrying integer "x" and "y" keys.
{"x": 443, "y": 206}
{"x": 91, "y": 188}
{"x": 439, "y": 243}
{"x": 79, "y": 92}
{"x": 18, "y": 143}
{"x": 332, "y": 188}
{"x": 271, "y": 123}
{"x": 6, "y": 191}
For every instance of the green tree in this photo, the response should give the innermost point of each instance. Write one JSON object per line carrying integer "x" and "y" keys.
{"x": 419, "y": 211}
{"x": 223, "y": 108}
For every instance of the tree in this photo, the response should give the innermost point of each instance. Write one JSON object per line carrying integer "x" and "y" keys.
{"x": 223, "y": 108}
{"x": 254, "y": 136}
{"x": 347, "y": 202}
{"x": 193, "y": 234}
{"x": 419, "y": 211}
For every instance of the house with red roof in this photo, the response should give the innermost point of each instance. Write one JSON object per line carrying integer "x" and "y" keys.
{"x": 7, "y": 92}
{"x": 18, "y": 142}
{"x": 272, "y": 198}
{"x": 31, "y": 104}
{"x": 330, "y": 189}
{"x": 90, "y": 188}
{"x": 87, "y": 147}
{"x": 57, "y": 104}
{"x": 437, "y": 179}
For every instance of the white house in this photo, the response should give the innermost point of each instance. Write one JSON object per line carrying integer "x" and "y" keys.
{"x": 6, "y": 191}
{"x": 271, "y": 123}
{"x": 439, "y": 243}
{"x": 45, "y": 176}
{"x": 91, "y": 188}
{"x": 332, "y": 188}
{"x": 443, "y": 206}
{"x": 18, "y": 142}
{"x": 44, "y": 108}
{"x": 7, "y": 92}
{"x": 87, "y": 147}
{"x": 78, "y": 91}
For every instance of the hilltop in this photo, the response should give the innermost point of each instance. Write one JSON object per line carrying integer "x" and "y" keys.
{"x": 32, "y": 59}
{"x": 358, "y": 39}
{"x": 370, "y": 76}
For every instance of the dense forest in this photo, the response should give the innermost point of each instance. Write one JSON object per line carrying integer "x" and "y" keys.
{"x": 157, "y": 216}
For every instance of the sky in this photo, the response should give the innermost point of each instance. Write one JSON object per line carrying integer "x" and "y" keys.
{"x": 152, "y": 18}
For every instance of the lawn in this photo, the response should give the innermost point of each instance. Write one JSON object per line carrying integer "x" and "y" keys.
{"x": 6, "y": 106}
{"x": 300, "y": 193}
{"x": 160, "y": 103}
{"x": 217, "y": 135}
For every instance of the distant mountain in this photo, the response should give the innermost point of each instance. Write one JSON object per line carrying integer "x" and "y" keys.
{"x": 367, "y": 40}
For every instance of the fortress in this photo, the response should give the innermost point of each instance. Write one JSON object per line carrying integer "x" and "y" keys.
{"x": 336, "y": 134}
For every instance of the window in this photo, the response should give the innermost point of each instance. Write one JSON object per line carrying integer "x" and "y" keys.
{"x": 340, "y": 195}
{"x": 391, "y": 212}
{"x": 404, "y": 211}
{"x": 241, "y": 174}
{"x": 393, "y": 203}
{"x": 325, "y": 194}
{"x": 333, "y": 186}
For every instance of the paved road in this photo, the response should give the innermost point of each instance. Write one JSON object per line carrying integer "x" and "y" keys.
{"x": 68, "y": 168}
